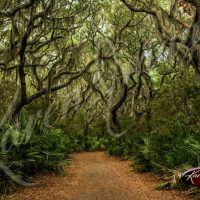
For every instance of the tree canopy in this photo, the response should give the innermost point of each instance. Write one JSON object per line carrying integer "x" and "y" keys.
{"x": 109, "y": 60}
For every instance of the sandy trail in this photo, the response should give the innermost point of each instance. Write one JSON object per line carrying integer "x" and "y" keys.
{"x": 97, "y": 176}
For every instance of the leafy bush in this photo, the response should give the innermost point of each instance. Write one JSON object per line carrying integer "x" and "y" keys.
{"x": 27, "y": 152}
{"x": 124, "y": 147}
{"x": 86, "y": 143}
{"x": 168, "y": 151}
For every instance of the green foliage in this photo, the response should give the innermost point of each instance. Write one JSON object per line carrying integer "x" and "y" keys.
{"x": 167, "y": 152}
{"x": 121, "y": 147}
{"x": 60, "y": 47}
{"x": 86, "y": 143}
{"x": 29, "y": 153}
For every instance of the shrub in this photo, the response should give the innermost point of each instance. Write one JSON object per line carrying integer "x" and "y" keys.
{"x": 28, "y": 153}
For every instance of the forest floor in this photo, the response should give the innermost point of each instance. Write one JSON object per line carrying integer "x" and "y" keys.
{"x": 97, "y": 176}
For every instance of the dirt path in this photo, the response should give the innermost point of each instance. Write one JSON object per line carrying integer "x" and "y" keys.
{"x": 96, "y": 176}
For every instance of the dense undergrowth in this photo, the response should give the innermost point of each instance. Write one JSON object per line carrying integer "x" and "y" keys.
{"x": 34, "y": 148}
{"x": 167, "y": 152}
{"x": 27, "y": 151}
